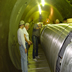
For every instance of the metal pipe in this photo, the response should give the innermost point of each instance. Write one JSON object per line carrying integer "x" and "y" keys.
{"x": 54, "y": 40}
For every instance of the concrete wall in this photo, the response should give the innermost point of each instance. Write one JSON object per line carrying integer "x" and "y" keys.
{"x": 6, "y": 64}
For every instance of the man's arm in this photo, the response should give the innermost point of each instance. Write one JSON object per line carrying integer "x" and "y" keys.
{"x": 30, "y": 42}
{"x": 26, "y": 39}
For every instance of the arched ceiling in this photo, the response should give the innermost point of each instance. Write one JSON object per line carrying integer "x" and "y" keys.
{"x": 60, "y": 9}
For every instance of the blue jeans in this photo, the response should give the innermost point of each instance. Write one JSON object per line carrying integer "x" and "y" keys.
{"x": 35, "y": 46}
{"x": 23, "y": 59}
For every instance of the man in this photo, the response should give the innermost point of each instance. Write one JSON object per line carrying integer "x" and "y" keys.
{"x": 26, "y": 36}
{"x": 65, "y": 20}
{"x": 22, "y": 47}
{"x": 35, "y": 39}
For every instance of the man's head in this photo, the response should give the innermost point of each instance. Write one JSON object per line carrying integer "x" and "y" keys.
{"x": 21, "y": 24}
{"x": 57, "y": 21}
{"x": 65, "y": 20}
{"x": 27, "y": 26}
{"x": 39, "y": 24}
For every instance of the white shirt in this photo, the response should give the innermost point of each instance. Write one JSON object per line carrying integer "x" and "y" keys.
{"x": 21, "y": 39}
{"x": 26, "y": 33}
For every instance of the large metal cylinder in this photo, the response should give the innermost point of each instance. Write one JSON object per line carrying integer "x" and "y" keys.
{"x": 54, "y": 40}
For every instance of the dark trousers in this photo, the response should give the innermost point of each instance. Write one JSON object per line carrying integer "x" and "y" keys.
{"x": 27, "y": 51}
{"x": 27, "y": 47}
{"x": 35, "y": 46}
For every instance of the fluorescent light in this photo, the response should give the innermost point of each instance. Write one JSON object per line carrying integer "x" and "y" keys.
{"x": 39, "y": 9}
{"x": 43, "y": 2}
{"x": 47, "y": 20}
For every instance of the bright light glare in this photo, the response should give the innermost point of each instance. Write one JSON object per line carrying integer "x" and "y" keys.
{"x": 43, "y": 2}
{"x": 39, "y": 9}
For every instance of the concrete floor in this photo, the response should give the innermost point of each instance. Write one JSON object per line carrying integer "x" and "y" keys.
{"x": 41, "y": 65}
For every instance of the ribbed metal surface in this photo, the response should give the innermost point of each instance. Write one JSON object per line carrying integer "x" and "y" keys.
{"x": 52, "y": 39}
{"x": 66, "y": 64}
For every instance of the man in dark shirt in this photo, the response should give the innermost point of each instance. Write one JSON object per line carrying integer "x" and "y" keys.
{"x": 35, "y": 38}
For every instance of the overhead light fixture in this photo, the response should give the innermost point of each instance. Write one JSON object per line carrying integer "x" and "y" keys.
{"x": 47, "y": 20}
{"x": 39, "y": 9}
{"x": 43, "y": 2}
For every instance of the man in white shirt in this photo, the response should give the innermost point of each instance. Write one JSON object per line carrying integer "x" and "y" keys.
{"x": 26, "y": 36}
{"x": 22, "y": 47}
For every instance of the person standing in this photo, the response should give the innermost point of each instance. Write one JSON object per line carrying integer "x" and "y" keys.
{"x": 22, "y": 47}
{"x": 35, "y": 39}
{"x": 26, "y": 36}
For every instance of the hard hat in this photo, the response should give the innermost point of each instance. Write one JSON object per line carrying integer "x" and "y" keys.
{"x": 21, "y": 22}
{"x": 69, "y": 20}
{"x": 57, "y": 20}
